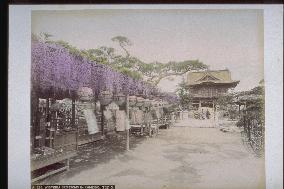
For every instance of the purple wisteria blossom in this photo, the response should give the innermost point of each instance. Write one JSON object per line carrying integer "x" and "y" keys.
{"x": 56, "y": 73}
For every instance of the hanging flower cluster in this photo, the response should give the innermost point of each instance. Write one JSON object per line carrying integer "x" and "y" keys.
{"x": 58, "y": 73}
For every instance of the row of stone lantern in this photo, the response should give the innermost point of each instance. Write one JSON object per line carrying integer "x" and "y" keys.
{"x": 85, "y": 94}
{"x": 140, "y": 101}
{"x": 106, "y": 97}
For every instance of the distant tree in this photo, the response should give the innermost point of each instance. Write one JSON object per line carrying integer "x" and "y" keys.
{"x": 72, "y": 49}
{"x": 161, "y": 71}
{"x": 103, "y": 54}
{"x": 35, "y": 37}
{"x": 225, "y": 100}
{"x": 132, "y": 66}
{"x": 184, "y": 95}
{"x": 45, "y": 37}
{"x": 133, "y": 74}
{"x": 123, "y": 42}
{"x": 261, "y": 82}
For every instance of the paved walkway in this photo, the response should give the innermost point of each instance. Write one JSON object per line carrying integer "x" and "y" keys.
{"x": 180, "y": 157}
{"x": 205, "y": 123}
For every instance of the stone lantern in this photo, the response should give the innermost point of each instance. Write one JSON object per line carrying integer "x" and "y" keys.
{"x": 85, "y": 94}
{"x": 132, "y": 100}
{"x": 140, "y": 101}
{"x": 147, "y": 103}
{"x": 155, "y": 103}
{"x": 166, "y": 104}
{"x": 119, "y": 99}
{"x": 105, "y": 97}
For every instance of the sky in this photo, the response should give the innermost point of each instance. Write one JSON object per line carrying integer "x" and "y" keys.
{"x": 222, "y": 39}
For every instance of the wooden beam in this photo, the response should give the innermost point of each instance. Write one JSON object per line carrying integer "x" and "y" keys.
{"x": 50, "y": 173}
{"x": 127, "y": 116}
{"x": 37, "y": 164}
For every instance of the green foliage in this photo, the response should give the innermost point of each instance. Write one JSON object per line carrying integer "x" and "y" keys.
{"x": 184, "y": 94}
{"x": 72, "y": 49}
{"x": 182, "y": 66}
{"x": 176, "y": 68}
{"x": 152, "y": 73}
{"x": 46, "y": 36}
{"x": 147, "y": 68}
{"x": 123, "y": 42}
{"x": 102, "y": 55}
{"x": 35, "y": 37}
{"x": 225, "y": 100}
{"x": 257, "y": 105}
{"x": 128, "y": 72}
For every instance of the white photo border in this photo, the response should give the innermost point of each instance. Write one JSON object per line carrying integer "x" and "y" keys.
{"x": 19, "y": 85}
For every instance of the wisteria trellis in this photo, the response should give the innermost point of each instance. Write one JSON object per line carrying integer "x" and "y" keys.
{"x": 55, "y": 71}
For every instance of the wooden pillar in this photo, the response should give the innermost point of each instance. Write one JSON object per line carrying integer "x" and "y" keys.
{"x": 214, "y": 112}
{"x": 127, "y": 116}
{"x": 239, "y": 110}
{"x": 249, "y": 129}
{"x": 67, "y": 164}
{"x": 47, "y": 119}
{"x": 102, "y": 119}
{"x": 47, "y": 109}
{"x": 53, "y": 125}
{"x": 36, "y": 126}
{"x": 73, "y": 116}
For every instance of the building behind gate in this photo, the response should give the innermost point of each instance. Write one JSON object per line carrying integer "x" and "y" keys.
{"x": 207, "y": 86}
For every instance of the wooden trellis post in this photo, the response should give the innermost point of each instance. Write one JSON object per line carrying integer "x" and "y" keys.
{"x": 127, "y": 116}
{"x": 214, "y": 109}
{"x": 73, "y": 118}
{"x": 47, "y": 110}
{"x": 73, "y": 112}
{"x": 102, "y": 119}
{"x": 36, "y": 125}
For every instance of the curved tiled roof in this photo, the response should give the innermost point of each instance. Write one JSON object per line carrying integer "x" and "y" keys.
{"x": 210, "y": 76}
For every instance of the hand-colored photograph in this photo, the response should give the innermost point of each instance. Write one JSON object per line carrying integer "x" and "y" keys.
{"x": 148, "y": 98}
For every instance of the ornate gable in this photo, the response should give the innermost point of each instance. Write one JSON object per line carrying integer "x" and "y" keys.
{"x": 218, "y": 77}
{"x": 208, "y": 77}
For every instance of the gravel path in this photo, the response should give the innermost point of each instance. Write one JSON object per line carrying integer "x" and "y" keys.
{"x": 180, "y": 157}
